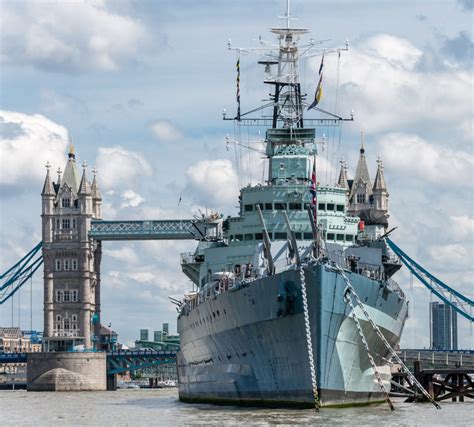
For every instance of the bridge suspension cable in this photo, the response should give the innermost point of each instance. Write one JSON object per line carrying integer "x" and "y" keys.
{"x": 19, "y": 274}
{"x": 459, "y": 302}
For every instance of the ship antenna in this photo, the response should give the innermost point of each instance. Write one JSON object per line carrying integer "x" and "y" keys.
{"x": 287, "y": 14}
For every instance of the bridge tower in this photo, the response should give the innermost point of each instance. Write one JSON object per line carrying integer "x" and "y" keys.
{"x": 71, "y": 259}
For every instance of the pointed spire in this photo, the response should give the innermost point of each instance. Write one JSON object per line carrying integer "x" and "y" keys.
{"x": 342, "y": 181}
{"x": 72, "y": 151}
{"x": 84, "y": 186}
{"x": 379, "y": 183}
{"x": 362, "y": 171}
{"x": 59, "y": 172}
{"x": 95, "y": 186}
{"x": 71, "y": 175}
{"x": 48, "y": 189}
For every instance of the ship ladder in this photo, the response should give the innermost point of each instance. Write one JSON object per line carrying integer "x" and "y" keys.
{"x": 309, "y": 341}
{"x": 350, "y": 289}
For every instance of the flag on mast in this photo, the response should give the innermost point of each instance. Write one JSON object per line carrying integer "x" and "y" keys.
{"x": 313, "y": 191}
{"x": 237, "y": 95}
{"x": 318, "y": 94}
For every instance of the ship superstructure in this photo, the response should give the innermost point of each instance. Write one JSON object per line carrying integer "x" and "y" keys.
{"x": 268, "y": 321}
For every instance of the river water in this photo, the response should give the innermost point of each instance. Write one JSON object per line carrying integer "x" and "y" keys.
{"x": 161, "y": 407}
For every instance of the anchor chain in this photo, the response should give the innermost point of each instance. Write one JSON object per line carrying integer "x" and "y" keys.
{"x": 377, "y": 330}
{"x": 347, "y": 298}
{"x": 309, "y": 341}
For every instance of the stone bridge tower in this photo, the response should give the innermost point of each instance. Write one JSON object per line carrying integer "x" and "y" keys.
{"x": 71, "y": 259}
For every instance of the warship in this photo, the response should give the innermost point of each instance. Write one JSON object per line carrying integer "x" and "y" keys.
{"x": 291, "y": 296}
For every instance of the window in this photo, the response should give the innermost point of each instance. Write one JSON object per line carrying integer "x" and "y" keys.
{"x": 268, "y": 207}
{"x": 340, "y": 208}
{"x": 258, "y": 236}
{"x": 58, "y": 318}
{"x": 67, "y": 296}
{"x": 74, "y": 296}
{"x": 59, "y": 296}
{"x": 248, "y": 208}
{"x": 58, "y": 224}
{"x": 349, "y": 238}
{"x": 280, "y": 236}
{"x": 74, "y": 264}
{"x": 66, "y": 223}
{"x": 248, "y": 237}
{"x": 66, "y": 324}
{"x": 298, "y": 236}
{"x": 231, "y": 238}
{"x": 58, "y": 265}
{"x": 259, "y": 204}
{"x": 66, "y": 265}
{"x": 295, "y": 206}
{"x": 322, "y": 206}
{"x": 361, "y": 198}
{"x": 74, "y": 317}
{"x": 308, "y": 236}
{"x": 239, "y": 237}
{"x": 330, "y": 236}
{"x": 340, "y": 237}
{"x": 65, "y": 202}
{"x": 74, "y": 223}
{"x": 280, "y": 206}
{"x": 330, "y": 206}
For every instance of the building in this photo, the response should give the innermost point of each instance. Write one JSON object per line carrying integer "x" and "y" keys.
{"x": 444, "y": 327}
{"x": 366, "y": 200}
{"x": 71, "y": 259}
{"x": 162, "y": 340}
{"x": 14, "y": 340}
{"x": 108, "y": 339}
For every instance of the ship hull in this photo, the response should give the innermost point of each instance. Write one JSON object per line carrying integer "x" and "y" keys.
{"x": 249, "y": 346}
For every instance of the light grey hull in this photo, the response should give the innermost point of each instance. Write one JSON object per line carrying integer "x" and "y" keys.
{"x": 248, "y": 346}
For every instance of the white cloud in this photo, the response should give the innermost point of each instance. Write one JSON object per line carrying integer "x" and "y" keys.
{"x": 64, "y": 36}
{"x": 119, "y": 168}
{"x": 413, "y": 156}
{"x": 381, "y": 81}
{"x": 126, "y": 254}
{"x": 463, "y": 228}
{"x": 132, "y": 199}
{"x": 27, "y": 143}
{"x": 164, "y": 130}
{"x": 450, "y": 254}
{"x": 213, "y": 182}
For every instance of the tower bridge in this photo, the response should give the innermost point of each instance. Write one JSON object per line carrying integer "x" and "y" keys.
{"x": 71, "y": 250}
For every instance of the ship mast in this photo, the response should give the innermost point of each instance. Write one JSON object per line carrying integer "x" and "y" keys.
{"x": 286, "y": 101}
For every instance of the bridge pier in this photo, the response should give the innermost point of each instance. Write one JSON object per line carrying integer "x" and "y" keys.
{"x": 66, "y": 371}
{"x": 111, "y": 382}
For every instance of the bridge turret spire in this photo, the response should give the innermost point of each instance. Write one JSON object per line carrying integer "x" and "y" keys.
{"x": 379, "y": 183}
{"x": 84, "y": 186}
{"x": 96, "y": 196}
{"x": 342, "y": 182}
{"x": 48, "y": 189}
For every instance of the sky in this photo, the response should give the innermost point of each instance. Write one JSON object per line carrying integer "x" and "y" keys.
{"x": 140, "y": 87}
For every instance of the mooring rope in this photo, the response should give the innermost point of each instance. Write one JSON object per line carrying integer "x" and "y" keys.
{"x": 347, "y": 298}
{"x": 377, "y": 330}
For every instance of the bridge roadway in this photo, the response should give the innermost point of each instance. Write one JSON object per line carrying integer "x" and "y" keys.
{"x": 169, "y": 229}
{"x": 130, "y": 360}
{"x": 117, "y": 361}
{"x": 437, "y": 359}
